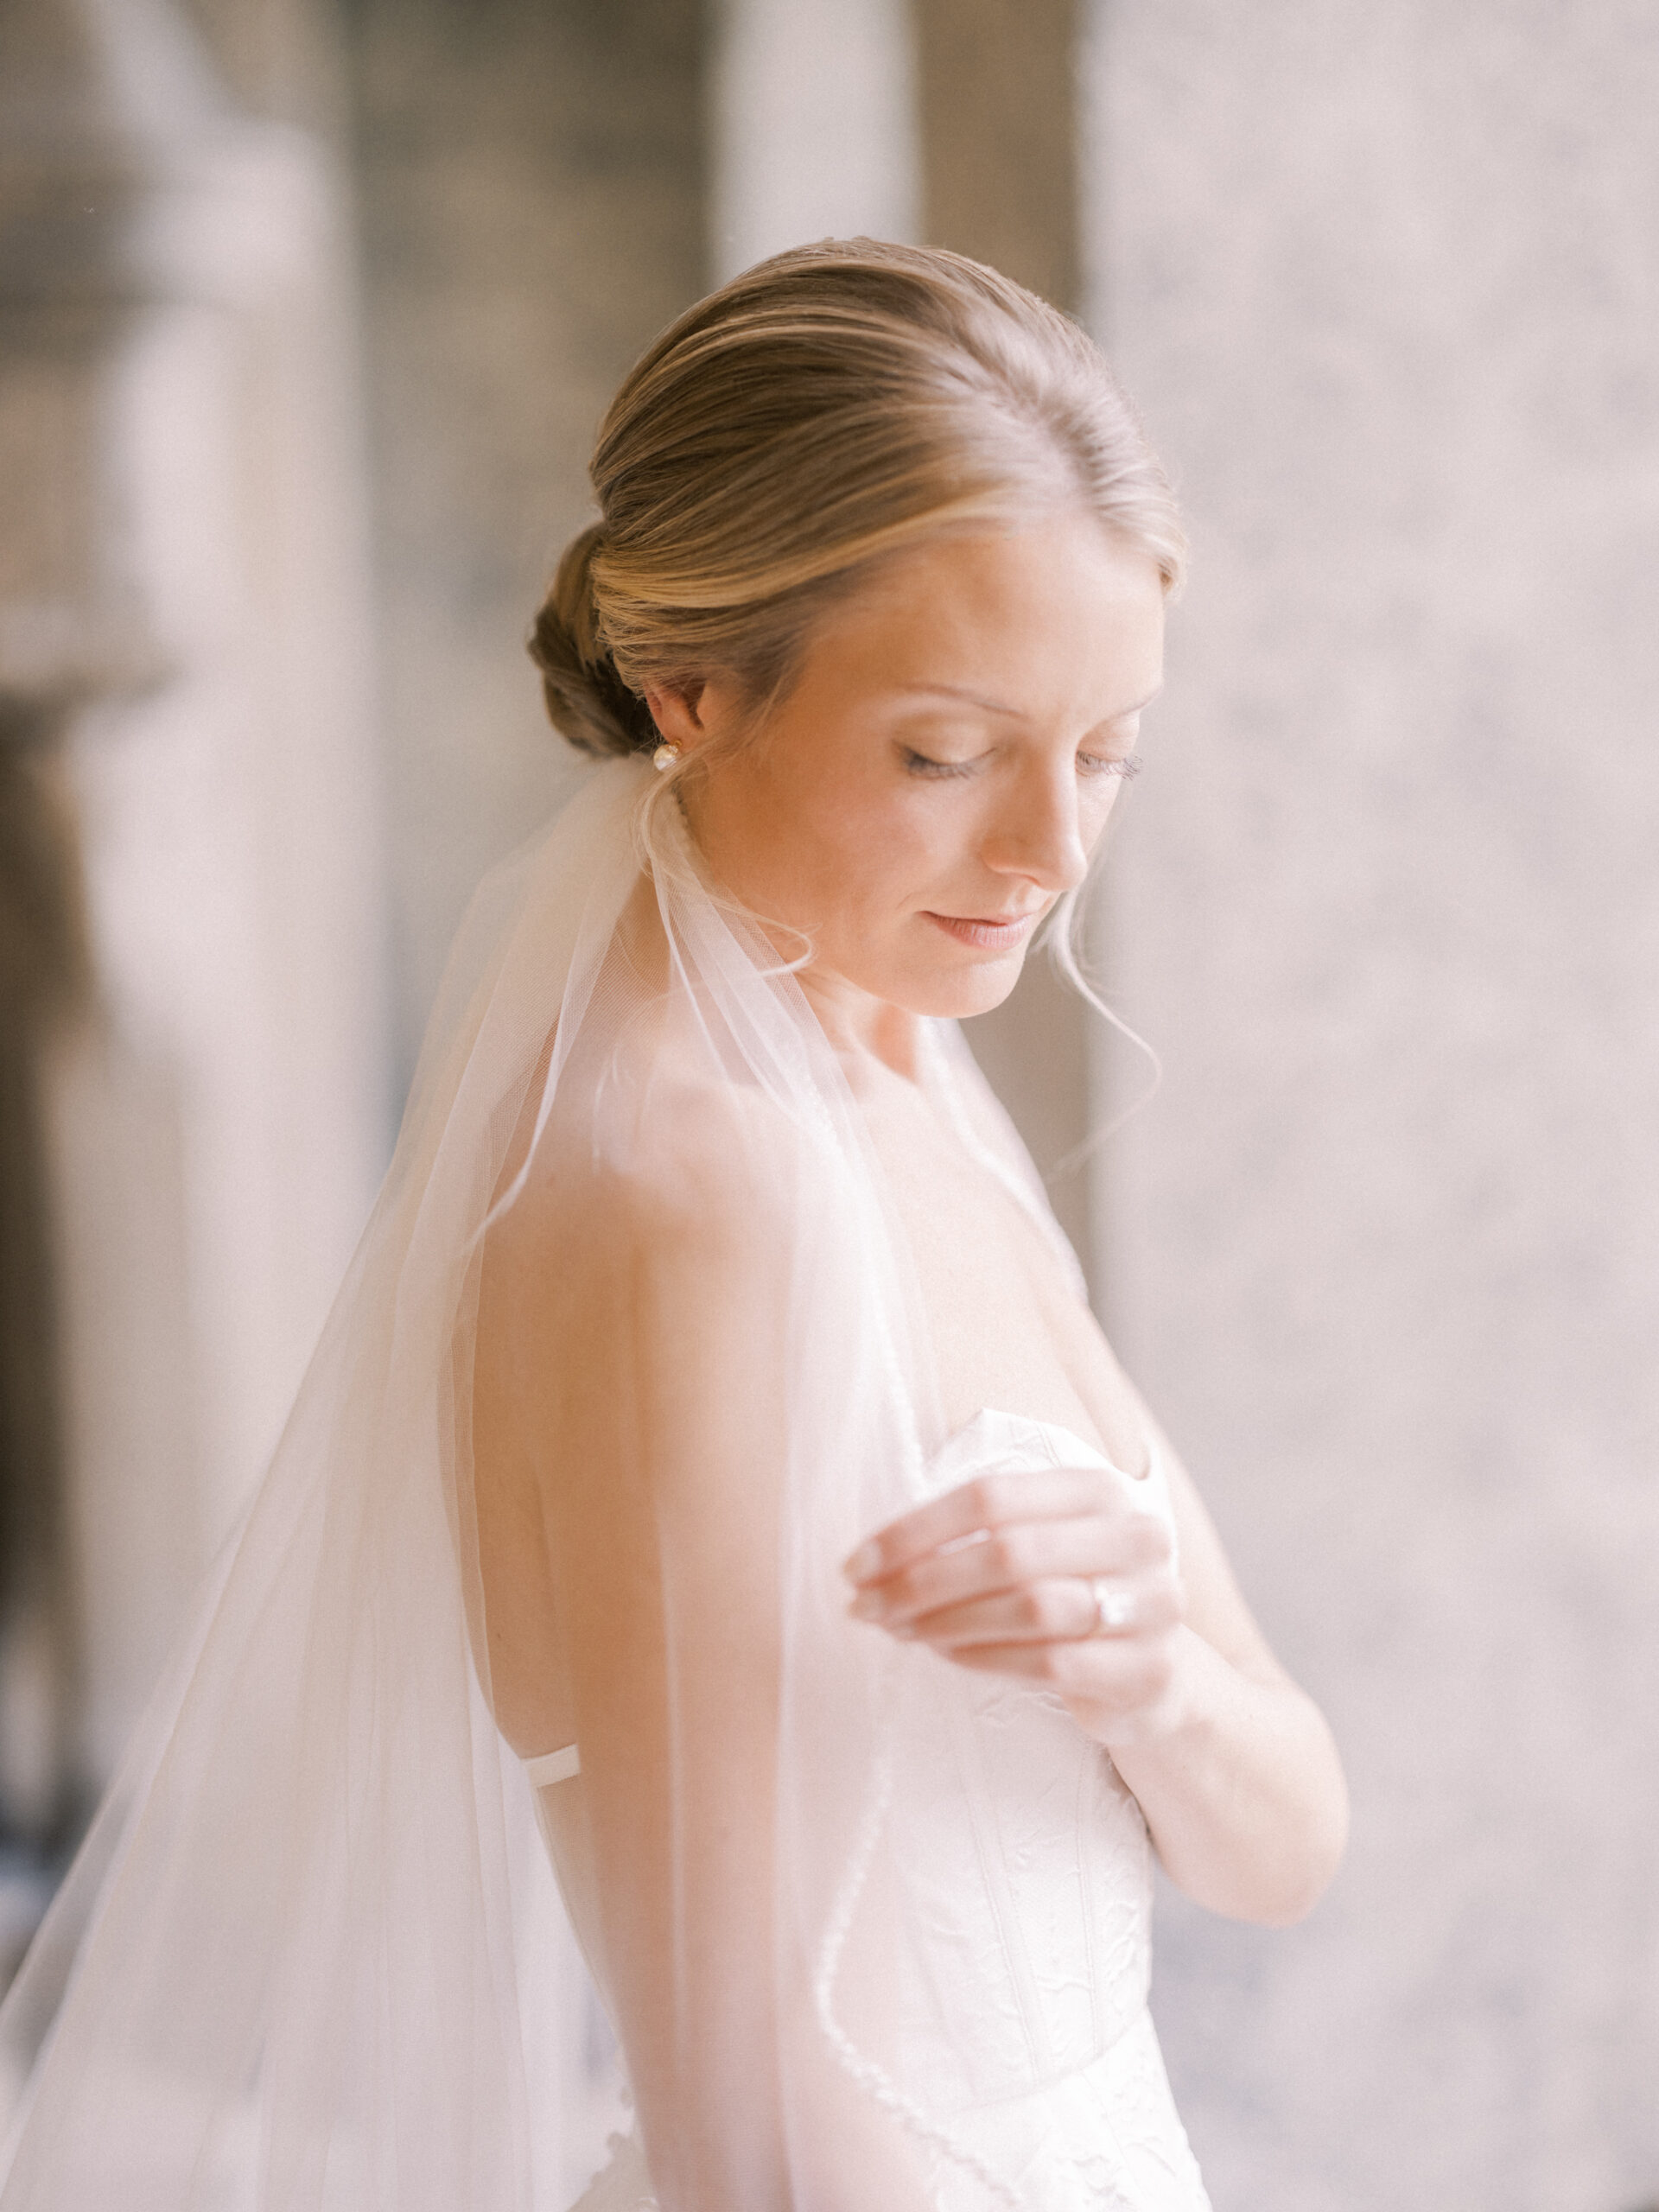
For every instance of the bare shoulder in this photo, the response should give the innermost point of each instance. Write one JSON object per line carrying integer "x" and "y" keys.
{"x": 706, "y": 1174}
{"x": 635, "y": 1295}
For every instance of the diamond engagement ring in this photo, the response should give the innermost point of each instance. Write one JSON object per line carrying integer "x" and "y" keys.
{"x": 1114, "y": 1605}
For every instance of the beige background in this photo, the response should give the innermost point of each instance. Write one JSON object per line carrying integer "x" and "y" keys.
{"x": 1383, "y": 1250}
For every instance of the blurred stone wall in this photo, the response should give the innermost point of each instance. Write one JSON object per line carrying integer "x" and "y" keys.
{"x": 1382, "y": 1253}
{"x": 186, "y": 713}
{"x": 532, "y": 186}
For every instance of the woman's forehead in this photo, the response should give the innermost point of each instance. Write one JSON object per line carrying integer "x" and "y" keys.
{"x": 982, "y": 624}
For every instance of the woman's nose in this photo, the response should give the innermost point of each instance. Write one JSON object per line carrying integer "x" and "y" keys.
{"x": 1035, "y": 832}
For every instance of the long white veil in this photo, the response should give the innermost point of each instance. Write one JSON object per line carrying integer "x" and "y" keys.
{"x": 307, "y": 1959}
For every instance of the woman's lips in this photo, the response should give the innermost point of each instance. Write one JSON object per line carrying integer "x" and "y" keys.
{"x": 986, "y": 935}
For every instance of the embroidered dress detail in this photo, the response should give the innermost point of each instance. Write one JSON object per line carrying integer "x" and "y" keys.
{"x": 1016, "y": 2051}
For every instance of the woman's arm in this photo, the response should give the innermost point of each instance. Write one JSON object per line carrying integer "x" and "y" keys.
{"x": 1232, "y": 1763}
{"x": 636, "y": 1325}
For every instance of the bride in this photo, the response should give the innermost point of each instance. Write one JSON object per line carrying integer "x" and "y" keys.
{"x": 711, "y": 1482}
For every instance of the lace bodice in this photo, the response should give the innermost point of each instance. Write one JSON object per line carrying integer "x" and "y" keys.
{"x": 1025, "y": 1857}
{"x": 1012, "y": 1917}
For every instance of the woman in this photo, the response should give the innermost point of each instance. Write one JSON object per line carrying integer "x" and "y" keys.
{"x": 713, "y": 1419}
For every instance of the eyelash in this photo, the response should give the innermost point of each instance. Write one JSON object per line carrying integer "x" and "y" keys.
{"x": 1091, "y": 764}
{"x": 919, "y": 765}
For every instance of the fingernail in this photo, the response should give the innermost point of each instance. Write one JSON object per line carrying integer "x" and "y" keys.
{"x": 862, "y": 1563}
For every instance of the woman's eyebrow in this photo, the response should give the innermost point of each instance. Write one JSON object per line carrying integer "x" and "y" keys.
{"x": 997, "y": 707}
{"x": 955, "y": 692}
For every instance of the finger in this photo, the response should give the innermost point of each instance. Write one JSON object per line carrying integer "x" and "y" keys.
{"x": 1023, "y": 1552}
{"x": 1057, "y": 1611}
{"x": 1107, "y": 1675}
{"x": 976, "y": 1510}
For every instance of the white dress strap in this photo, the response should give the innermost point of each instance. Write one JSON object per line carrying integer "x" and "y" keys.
{"x": 554, "y": 1766}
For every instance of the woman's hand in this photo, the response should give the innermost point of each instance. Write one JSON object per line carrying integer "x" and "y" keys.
{"x": 1067, "y": 1578}
{"x": 1063, "y": 1577}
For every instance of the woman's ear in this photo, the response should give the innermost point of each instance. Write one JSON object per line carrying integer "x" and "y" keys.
{"x": 677, "y": 715}
{"x": 703, "y": 711}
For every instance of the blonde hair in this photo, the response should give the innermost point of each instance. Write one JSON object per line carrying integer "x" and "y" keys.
{"x": 829, "y": 407}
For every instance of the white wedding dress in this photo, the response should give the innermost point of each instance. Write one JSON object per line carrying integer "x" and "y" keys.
{"x": 303, "y": 1962}
{"x": 997, "y": 1798}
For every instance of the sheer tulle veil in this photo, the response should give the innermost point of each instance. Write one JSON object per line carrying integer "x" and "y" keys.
{"x": 305, "y": 1959}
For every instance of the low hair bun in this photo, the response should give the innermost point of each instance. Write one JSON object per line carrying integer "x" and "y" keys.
{"x": 822, "y": 412}
{"x": 587, "y": 701}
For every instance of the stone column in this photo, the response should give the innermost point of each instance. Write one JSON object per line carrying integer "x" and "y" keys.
{"x": 72, "y": 631}
{"x": 181, "y": 625}
{"x": 813, "y": 126}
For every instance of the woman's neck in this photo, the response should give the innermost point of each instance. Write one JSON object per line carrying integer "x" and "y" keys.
{"x": 861, "y": 1026}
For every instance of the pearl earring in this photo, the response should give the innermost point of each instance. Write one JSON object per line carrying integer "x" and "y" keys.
{"x": 665, "y": 755}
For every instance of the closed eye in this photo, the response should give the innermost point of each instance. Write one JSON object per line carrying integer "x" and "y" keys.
{"x": 923, "y": 764}
{"x": 1089, "y": 764}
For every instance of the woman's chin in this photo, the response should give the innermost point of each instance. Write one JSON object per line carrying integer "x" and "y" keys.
{"x": 943, "y": 991}
{"x": 961, "y": 992}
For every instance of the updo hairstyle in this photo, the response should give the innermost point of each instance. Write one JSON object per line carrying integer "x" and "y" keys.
{"x": 828, "y": 406}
